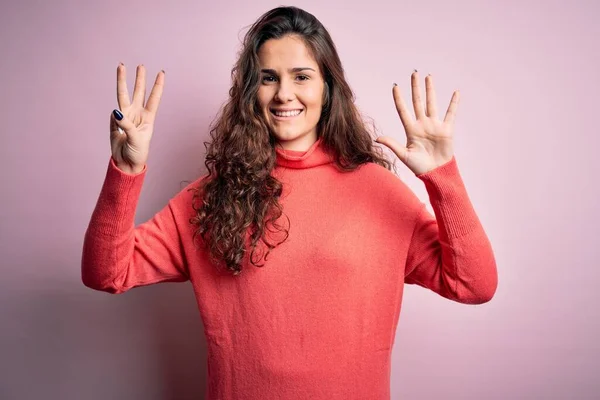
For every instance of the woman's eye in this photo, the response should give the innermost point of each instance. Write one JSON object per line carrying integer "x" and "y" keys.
{"x": 267, "y": 78}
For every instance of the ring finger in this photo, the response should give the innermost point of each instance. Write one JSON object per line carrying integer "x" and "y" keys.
{"x": 122, "y": 93}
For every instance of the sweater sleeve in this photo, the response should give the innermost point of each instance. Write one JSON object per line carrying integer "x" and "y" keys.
{"x": 118, "y": 256}
{"x": 451, "y": 253}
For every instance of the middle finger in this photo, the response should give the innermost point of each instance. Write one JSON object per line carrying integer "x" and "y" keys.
{"x": 139, "y": 90}
{"x": 416, "y": 95}
{"x": 431, "y": 100}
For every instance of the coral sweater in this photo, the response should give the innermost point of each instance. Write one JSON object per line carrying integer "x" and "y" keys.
{"x": 318, "y": 321}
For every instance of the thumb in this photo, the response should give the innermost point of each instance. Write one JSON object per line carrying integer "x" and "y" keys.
{"x": 397, "y": 148}
{"x": 118, "y": 120}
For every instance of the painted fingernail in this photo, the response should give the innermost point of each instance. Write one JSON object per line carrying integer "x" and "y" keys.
{"x": 395, "y": 84}
{"x": 163, "y": 71}
{"x": 416, "y": 70}
{"x": 118, "y": 115}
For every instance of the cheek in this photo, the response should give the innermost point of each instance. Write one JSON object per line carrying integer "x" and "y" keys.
{"x": 312, "y": 104}
{"x": 314, "y": 96}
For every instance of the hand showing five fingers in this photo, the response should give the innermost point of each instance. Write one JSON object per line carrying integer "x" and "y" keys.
{"x": 429, "y": 141}
{"x": 131, "y": 144}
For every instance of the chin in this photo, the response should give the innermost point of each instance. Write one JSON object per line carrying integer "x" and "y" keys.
{"x": 288, "y": 134}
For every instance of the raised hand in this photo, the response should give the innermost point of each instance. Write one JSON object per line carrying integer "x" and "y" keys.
{"x": 130, "y": 144}
{"x": 429, "y": 141}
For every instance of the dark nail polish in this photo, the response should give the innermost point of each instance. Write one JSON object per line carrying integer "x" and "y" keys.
{"x": 395, "y": 84}
{"x": 118, "y": 115}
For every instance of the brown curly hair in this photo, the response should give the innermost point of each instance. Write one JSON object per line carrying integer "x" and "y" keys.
{"x": 238, "y": 199}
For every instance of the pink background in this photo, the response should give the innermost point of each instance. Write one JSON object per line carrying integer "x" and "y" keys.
{"x": 527, "y": 144}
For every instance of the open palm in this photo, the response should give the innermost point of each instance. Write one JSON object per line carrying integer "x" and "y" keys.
{"x": 429, "y": 141}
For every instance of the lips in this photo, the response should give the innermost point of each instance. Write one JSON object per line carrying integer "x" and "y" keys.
{"x": 286, "y": 118}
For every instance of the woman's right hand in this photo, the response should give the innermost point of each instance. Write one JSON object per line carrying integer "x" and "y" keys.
{"x": 130, "y": 145}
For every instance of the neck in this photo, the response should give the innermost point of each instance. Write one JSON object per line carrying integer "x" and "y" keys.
{"x": 313, "y": 156}
{"x": 302, "y": 143}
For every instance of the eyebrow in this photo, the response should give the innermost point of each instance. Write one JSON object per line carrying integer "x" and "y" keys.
{"x": 297, "y": 69}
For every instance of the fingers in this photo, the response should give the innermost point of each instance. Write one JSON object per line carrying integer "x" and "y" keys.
{"x": 118, "y": 120}
{"x": 396, "y": 147}
{"x": 431, "y": 100}
{"x": 122, "y": 93}
{"x": 401, "y": 106}
{"x": 416, "y": 96}
{"x": 451, "y": 113}
{"x": 139, "y": 90}
{"x": 156, "y": 93}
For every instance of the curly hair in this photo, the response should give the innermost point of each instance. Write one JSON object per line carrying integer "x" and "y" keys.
{"x": 239, "y": 198}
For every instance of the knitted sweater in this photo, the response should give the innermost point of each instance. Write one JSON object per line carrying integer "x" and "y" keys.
{"x": 318, "y": 320}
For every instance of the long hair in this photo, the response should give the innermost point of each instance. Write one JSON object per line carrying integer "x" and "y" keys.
{"x": 239, "y": 199}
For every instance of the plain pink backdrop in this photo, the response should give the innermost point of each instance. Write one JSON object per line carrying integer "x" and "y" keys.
{"x": 527, "y": 143}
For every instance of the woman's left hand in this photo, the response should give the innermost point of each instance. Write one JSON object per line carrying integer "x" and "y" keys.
{"x": 429, "y": 141}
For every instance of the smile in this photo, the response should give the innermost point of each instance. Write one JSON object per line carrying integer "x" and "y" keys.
{"x": 288, "y": 115}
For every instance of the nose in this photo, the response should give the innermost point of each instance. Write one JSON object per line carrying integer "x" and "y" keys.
{"x": 285, "y": 91}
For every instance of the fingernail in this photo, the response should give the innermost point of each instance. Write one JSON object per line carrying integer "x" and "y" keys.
{"x": 416, "y": 70}
{"x": 395, "y": 84}
{"x": 163, "y": 71}
{"x": 118, "y": 115}
{"x": 121, "y": 63}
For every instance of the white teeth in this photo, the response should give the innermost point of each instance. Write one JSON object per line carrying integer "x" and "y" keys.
{"x": 287, "y": 113}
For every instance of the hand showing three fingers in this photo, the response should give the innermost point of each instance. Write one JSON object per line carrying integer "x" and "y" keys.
{"x": 429, "y": 141}
{"x": 130, "y": 145}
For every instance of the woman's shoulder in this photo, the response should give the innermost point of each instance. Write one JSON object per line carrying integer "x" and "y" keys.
{"x": 189, "y": 190}
{"x": 386, "y": 182}
{"x": 379, "y": 174}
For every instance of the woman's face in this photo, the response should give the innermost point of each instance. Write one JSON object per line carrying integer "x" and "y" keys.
{"x": 290, "y": 80}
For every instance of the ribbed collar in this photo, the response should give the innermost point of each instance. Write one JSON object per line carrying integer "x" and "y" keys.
{"x": 314, "y": 156}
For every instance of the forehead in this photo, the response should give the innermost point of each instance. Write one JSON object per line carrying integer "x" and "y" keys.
{"x": 286, "y": 52}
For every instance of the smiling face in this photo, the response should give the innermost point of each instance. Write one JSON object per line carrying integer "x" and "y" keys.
{"x": 290, "y": 80}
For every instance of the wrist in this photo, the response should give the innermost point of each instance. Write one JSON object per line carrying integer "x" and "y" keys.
{"x": 128, "y": 169}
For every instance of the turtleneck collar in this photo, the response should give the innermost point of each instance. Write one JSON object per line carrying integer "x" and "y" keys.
{"x": 314, "y": 156}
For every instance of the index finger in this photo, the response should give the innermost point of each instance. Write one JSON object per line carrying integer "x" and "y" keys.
{"x": 122, "y": 93}
{"x": 156, "y": 93}
{"x": 401, "y": 106}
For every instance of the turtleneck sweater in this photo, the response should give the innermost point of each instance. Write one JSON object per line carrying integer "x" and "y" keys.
{"x": 318, "y": 320}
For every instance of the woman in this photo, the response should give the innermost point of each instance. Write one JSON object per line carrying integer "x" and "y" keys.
{"x": 295, "y": 186}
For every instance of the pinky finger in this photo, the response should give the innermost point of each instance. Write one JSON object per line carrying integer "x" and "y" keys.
{"x": 122, "y": 125}
{"x": 451, "y": 113}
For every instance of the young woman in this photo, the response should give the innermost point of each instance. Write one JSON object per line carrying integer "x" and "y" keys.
{"x": 299, "y": 239}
